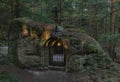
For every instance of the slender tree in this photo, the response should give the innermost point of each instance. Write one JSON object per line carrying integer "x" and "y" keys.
{"x": 14, "y": 31}
{"x": 112, "y": 29}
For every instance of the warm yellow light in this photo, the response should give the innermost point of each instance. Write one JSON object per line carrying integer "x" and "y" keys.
{"x": 53, "y": 43}
{"x": 58, "y": 44}
{"x": 47, "y": 43}
{"x": 33, "y": 34}
{"x": 65, "y": 46}
{"x": 46, "y": 35}
{"x": 24, "y": 30}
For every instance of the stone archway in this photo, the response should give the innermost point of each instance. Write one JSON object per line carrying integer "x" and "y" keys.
{"x": 56, "y": 50}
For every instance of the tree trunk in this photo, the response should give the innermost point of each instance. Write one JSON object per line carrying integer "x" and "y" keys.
{"x": 112, "y": 30}
{"x": 14, "y": 31}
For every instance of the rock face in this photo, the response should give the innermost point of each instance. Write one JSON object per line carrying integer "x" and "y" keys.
{"x": 29, "y": 53}
{"x": 4, "y": 50}
{"x": 83, "y": 52}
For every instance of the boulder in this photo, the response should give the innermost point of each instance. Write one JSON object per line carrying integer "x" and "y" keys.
{"x": 86, "y": 54}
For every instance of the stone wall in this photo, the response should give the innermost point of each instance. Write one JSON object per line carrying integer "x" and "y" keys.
{"x": 30, "y": 54}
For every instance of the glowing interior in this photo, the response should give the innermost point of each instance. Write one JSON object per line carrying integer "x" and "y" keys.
{"x": 24, "y": 30}
{"x": 46, "y": 35}
{"x": 33, "y": 34}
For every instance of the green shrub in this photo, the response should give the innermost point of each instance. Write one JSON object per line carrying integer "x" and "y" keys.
{"x": 109, "y": 81}
{"x": 7, "y": 77}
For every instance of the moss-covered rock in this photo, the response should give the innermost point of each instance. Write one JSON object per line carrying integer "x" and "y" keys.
{"x": 87, "y": 54}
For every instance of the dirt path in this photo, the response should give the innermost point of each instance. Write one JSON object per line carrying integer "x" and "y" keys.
{"x": 41, "y": 76}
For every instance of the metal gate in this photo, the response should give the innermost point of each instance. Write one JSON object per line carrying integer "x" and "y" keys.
{"x": 57, "y": 55}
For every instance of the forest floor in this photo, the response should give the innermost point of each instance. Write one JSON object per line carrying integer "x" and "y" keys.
{"x": 43, "y": 76}
{"x": 57, "y": 76}
{"x": 49, "y": 76}
{"x": 40, "y": 76}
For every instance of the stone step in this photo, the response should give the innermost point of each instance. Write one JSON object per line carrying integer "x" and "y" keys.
{"x": 57, "y": 68}
{"x": 36, "y": 68}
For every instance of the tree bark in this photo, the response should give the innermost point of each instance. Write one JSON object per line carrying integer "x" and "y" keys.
{"x": 112, "y": 30}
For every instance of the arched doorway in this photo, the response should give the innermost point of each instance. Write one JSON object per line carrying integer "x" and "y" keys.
{"x": 56, "y": 51}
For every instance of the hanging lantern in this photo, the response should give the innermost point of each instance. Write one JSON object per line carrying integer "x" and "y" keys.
{"x": 59, "y": 44}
